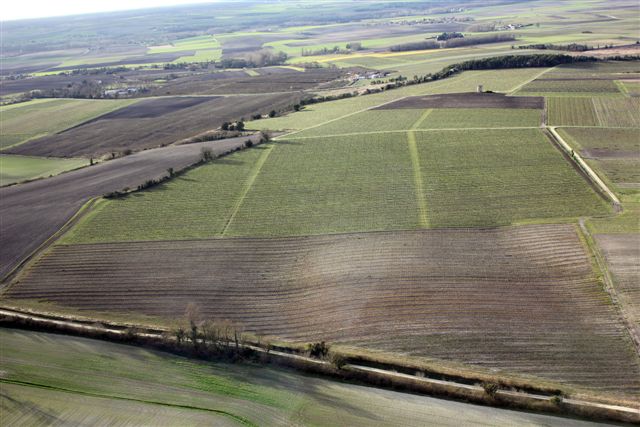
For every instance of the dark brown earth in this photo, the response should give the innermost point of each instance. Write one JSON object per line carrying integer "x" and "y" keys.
{"x": 519, "y": 299}
{"x": 31, "y": 212}
{"x": 156, "y": 122}
{"x": 595, "y": 153}
{"x": 467, "y": 100}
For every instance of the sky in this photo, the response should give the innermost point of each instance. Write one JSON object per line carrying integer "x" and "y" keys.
{"x": 12, "y": 9}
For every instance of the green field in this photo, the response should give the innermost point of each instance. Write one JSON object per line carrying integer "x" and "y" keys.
{"x": 362, "y": 182}
{"x": 494, "y": 177}
{"x": 26, "y": 120}
{"x": 603, "y": 139}
{"x": 574, "y": 87}
{"x": 314, "y": 115}
{"x": 15, "y": 168}
{"x": 195, "y": 205}
{"x": 596, "y": 111}
{"x": 571, "y": 112}
{"x": 55, "y": 379}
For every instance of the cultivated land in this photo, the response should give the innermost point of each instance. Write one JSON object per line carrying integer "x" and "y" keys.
{"x": 118, "y": 384}
{"x": 455, "y": 178}
{"x": 605, "y": 112}
{"x": 21, "y": 168}
{"x": 24, "y": 121}
{"x": 33, "y": 212}
{"x": 462, "y": 301}
{"x": 149, "y": 123}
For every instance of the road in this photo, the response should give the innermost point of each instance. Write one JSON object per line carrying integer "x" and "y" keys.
{"x": 32, "y": 212}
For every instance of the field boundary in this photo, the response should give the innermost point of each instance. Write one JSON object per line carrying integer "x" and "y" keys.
{"x": 255, "y": 171}
{"x": 521, "y": 85}
{"x": 371, "y": 375}
{"x": 413, "y": 130}
{"x": 26, "y": 262}
{"x": 417, "y": 173}
{"x": 579, "y": 161}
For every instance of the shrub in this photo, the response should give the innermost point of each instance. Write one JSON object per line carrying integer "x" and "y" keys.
{"x": 207, "y": 154}
{"x": 318, "y": 350}
{"x": 490, "y": 388}
{"x": 272, "y": 113}
{"x": 338, "y": 360}
{"x": 248, "y": 143}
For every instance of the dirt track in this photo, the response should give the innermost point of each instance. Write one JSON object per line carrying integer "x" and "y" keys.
{"x": 31, "y": 212}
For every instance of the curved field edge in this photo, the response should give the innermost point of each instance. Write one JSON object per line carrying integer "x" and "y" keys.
{"x": 35, "y": 370}
{"x": 522, "y": 300}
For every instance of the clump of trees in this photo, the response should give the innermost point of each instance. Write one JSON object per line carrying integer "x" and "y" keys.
{"x": 233, "y": 126}
{"x": 572, "y": 47}
{"x": 422, "y": 45}
{"x": 209, "y": 337}
{"x": 469, "y": 41}
{"x": 448, "y": 36}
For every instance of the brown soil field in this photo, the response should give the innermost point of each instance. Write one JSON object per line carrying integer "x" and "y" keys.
{"x": 522, "y": 300}
{"x": 622, "y": 252}
{"x": 270, "y": 80}
{"x": 467, "y": 100}
{"x": 155, "y": 123}
{"x": 34, "y": 211}
{"x": 50, "y": 82}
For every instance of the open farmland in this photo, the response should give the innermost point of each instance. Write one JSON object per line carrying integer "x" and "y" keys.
{"x": 322, "y": 186}
{"x": 315, "y": 115}
{"x": 614, "y": 152}
{"x": 21, "y": 168}
{"x": 622, "y": 253}
{"x": 149, "y": 123}
{"x": 464, "y": 300}
{"x": 574, "y": 87}
{"x": 454, "y": 178}
{"x": 118, "y": 384}
{"x": 269, "y": 80}
{"x": 596, "y": 111}
{"x": 24, "y": 121}
{"x": 467, "y": 100}
{"x": 497, "y": 177}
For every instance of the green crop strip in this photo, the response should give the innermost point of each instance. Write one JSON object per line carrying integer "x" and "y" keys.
{"x": 417, "y": 175}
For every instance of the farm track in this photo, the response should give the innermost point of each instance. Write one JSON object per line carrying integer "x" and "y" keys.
{"x": 30, "y": 213}
{"x": 417, "y": 174}
{"x": 520, "y": 299}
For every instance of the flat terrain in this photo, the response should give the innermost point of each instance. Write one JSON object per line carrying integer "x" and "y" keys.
{"x": 20, "y": 122}
{"x": 20, "y": 168}
{"x": 605, "y": 112}
{"x": 34, "y": 211}
{"x": 156, "y": 122}
{"x": 117, "y": 384}
{"x": 622, "y": 252}
{"x": 467, "y": 100}
{"x": 520, "y": 299}
{"x": 308, "y": 186}
{"x": 613, "y": 152}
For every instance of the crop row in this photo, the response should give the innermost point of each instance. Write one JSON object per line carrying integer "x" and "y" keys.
{"x": 607, "y": 112}
{"x": 520, "y": 299}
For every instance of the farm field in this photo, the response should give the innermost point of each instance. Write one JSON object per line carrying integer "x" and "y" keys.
{"x": 314, "y": 115}
{"x": 550, "y": 87}
{"x": 622, "y": 253}
{"x": 605, "y": 112}
{"x": 494, "y": 177}
{"x": 158, "y": 122}
{"x": 21, "y": 168}
{"x": 613, "y": 152}
{"x": 211, "y": 393}
{"x": 319, "y": 185}
{"x": 23, "y": 121}
{"x": 354, "y": 290}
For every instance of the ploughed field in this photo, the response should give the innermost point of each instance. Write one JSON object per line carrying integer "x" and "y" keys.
{"x": 150, "y": 123}
{"x": 520, "y": 299}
